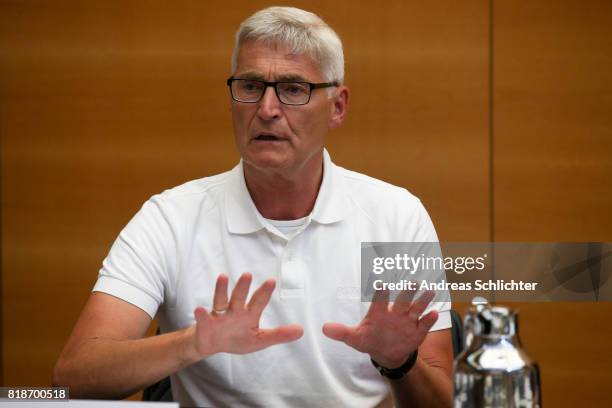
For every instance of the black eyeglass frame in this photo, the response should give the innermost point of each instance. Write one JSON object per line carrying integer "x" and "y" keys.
{"x": 274, "y": 85}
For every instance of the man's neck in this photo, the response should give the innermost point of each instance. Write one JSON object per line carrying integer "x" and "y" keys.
{"x": 279, "y": 195}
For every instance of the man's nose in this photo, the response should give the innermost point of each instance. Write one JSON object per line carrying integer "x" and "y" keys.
{"x": 269, "y": 105}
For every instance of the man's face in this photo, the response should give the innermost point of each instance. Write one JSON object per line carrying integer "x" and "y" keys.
{"x": 274, "y": 136}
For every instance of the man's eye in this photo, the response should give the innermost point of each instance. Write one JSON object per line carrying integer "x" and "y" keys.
{"x": 250, "y": 86}
{"x": 295, "y": 89}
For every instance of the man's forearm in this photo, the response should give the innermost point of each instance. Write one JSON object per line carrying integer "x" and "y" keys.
{"x": 108, "y": 368}
{"x": 423, "y": 386}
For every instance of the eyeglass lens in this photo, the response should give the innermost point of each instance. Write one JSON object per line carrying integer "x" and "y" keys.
{"x": 292, "y": 93}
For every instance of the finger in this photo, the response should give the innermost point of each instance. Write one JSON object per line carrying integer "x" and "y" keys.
{"x": 240, "y": 292}
{"x": 403, "y": 301}
{"x": 278, "y": 335}
{"x": 418, "y": 306}
{"x": 426, "y": 322}
{"x": 380, "y": 302}
{"x": 337, "y": 331}
{"x": 261, "y": 297}
{"x": 201, "y": 315}
{"x": 220, "y": 297}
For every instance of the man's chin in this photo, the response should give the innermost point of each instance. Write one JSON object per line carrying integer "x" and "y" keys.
{"x": 267, "y": 160}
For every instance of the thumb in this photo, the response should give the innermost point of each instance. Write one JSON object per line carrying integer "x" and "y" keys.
{"x": 282, "y": 334}
{"x": 337, "y": 331}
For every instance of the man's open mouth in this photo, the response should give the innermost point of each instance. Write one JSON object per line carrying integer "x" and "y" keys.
{"x": 268, "y": 137}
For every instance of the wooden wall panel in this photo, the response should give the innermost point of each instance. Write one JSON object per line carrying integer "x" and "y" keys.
{"x": 553, "y": 172}
{"x": 419, "y": 113}
{"x": 106, "y": 103}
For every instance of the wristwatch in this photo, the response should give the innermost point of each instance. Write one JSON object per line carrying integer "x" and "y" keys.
{"x": 399, "y": 372}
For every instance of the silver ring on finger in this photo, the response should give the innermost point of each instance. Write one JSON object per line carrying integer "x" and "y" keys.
{"x": 219, "y": 311}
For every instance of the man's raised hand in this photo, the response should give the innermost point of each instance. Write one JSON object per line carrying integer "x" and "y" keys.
{"x": 233, "y": 326}
{"x": 389, "y": 334}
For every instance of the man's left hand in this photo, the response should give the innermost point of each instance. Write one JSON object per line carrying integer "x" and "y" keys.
{"x": 389, "y": 333}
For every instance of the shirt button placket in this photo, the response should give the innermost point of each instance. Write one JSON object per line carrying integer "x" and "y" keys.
{"x": 292, "y": 274}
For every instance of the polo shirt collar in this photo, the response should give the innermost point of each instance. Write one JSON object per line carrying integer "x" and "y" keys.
{"x": 244, "y": 218}
{"x": 240, "y": 211}
{"x": 332, "y": 202}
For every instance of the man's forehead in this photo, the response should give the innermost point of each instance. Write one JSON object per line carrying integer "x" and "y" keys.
{"x": 278, "y": 76}
{"x": 259, "y": 60}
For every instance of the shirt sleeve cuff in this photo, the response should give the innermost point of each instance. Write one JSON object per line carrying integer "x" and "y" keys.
{"x": 444, "y": 321}
{"x": 127, "y": 292}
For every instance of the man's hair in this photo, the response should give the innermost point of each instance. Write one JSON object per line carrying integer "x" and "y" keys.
{"x": 304, "y": 32}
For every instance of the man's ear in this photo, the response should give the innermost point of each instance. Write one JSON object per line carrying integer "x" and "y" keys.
{"x": 339, "y": 106}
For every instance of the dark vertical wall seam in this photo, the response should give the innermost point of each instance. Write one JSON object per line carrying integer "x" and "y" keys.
{"x": 491, "y": 144}
{"x": 2, "y": 297}
{"x": 491, "y": 126}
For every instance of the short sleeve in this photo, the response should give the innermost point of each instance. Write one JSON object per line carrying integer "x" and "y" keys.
{"x": 138, "y": 265}
{"x": 426, "y": 232}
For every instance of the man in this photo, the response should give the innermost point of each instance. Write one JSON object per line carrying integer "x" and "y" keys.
{"x": 285, "y": 217}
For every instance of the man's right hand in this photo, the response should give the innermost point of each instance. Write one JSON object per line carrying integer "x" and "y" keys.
{"x": 233, "y": 326}
{"x": 108, "y": 357}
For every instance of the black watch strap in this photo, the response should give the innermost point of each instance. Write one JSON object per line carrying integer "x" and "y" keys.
{"x": 399, "y": 372}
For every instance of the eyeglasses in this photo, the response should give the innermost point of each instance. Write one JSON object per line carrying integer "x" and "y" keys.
{"x": 289, "y": 93}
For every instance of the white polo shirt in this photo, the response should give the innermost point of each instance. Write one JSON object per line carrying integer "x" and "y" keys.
{"x": 166, "y": 261}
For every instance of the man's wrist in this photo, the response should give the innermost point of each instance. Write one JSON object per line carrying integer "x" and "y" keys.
{"x": 399, "y": 372}
{"x": 190, "y": 353}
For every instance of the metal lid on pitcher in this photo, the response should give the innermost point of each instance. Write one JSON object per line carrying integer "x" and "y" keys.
{"x": 486, "y": 320}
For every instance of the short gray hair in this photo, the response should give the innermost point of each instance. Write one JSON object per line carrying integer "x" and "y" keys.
{"x": 305, "y": 32}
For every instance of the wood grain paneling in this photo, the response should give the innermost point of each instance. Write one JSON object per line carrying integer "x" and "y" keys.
{"x": 419, "y": 111}
{"x": 553, "y": 172}
{"x": 104, "y": 104}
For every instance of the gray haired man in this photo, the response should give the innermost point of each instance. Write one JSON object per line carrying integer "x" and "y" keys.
{"x": 287, "y": 220}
